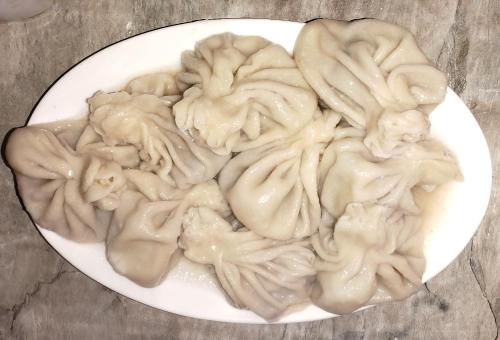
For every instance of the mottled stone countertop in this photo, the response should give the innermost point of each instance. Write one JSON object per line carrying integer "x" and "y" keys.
{"x": 44, "y": 297}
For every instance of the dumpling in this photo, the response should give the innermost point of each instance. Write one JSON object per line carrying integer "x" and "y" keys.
{"x": 159, "y": 84}
{"x": 145, "y": 227}
{"x": 241, "y": 92}
{"x": 102, "y": 183}
{"x": 263, "y": 275}
{"x": 67, "y": 131}
{"x": 366, "y": 67}
{"x": 215, "y": 60}
{"x": 151, "y": 185}
{"x": 371, "y": 255}
{"x": 273, "y": 189}
{"x": 348, "y": 172}
{"x": 91, "y": 143}
{"x": 143, "y": 236}
{"x": 395, "y": 130}
{"x": 145, "y": 122}
{"x": 61, "y": 188}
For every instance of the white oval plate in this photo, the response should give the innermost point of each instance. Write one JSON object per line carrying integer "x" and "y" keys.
{"x": 196, "y": 294}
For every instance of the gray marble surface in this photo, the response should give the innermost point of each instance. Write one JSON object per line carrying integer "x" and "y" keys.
{"x": 43, "y": 297}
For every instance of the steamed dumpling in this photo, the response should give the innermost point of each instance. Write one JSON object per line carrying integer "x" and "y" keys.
{"x": 371, "y": 255}
{"x": 350, "y": 173}
{"x": 145, "y": 227}
{"x": 91, "y": 143}
{"x": 61, "y": 188}
{"x": 145, "y": 122}
{"x": 102, "y": 183}
{"x": 395, "y": 130}
{"x": 242, "y": 92}
{"x": 273, "y": 189}
{"x": 159, "y": 84}
{"x": 143, "y": 237}
{"x": 368, "y": 70}
{"x": 215, "y": 60}
{"x": 263, "y": 275}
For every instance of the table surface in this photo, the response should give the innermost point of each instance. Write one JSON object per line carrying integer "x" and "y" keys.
{"x": 43, "y": 297}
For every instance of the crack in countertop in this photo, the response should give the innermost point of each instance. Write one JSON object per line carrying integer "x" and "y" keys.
{"x": 474, "y": 268}
{"x": 18, "y": 307}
